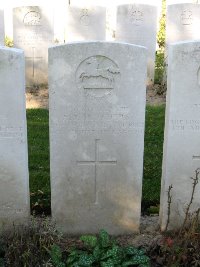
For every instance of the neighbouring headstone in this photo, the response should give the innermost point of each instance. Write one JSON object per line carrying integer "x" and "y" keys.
{"x": 97, "y": 110}
{"x": 173, "y": 2}
{"x": 183, "y": 23}
{"x": 2, "y": 33}
{"x": 182, "y": 134}
{"x": 14, "y": 180}
{"x": 33, "y": 32}
{"x": 87, "y": 23}
{"x": 137, "y": 24}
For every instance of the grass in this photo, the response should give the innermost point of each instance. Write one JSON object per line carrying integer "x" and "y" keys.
{"x": 38, "y": 141}
{"x": 153, "y": 148}
{"x": 39, "y": 165}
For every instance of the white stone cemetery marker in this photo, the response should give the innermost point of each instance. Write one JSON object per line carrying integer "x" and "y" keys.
{"x": 182, "y": 132}
{"x": 86, "y": 23}
{"x": 2, "y": 32}
{"x": 97, "y": 108}
{"x": 183, "y": 23}
{"x": 14, "y": 183}
{"x": 33, "y": 32}
{"x": 137, "y": 24}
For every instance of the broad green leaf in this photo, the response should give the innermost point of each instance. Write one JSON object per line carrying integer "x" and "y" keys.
{"x": 89, "y": 240}
{"x": 104, "y": 239}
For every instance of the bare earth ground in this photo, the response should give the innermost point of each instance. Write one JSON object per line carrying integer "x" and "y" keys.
{"x": 39, "y": 98}
{"x": 149, "y": 230}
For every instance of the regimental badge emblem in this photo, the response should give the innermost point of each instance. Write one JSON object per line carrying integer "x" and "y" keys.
{"x": 97, "y": 75}
{"x": 32, "y": 18}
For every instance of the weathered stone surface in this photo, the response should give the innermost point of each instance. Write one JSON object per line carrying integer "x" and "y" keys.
{"x": 173, "y": 2}
{"x": 33, "y": 32}
{"x": 183, "y": 22}
{"x": 97, "y": 109}
{"x": 137, "y": 24}
{"x": 14, "y": 185}
{"x": 182, "y": 132}
{"x": 86, "y": 23}
{"x": 2, "y": 33}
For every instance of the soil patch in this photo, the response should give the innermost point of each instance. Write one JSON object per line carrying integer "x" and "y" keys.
{"x": 38, "y": 97}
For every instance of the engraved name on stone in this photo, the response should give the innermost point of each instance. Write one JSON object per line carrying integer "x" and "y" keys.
{"x": 11, "y": 132}
{"x": 97, "y": 75}
{"x": 183, "y": 124}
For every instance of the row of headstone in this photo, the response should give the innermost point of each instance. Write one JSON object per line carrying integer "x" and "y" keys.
{"x": 33, "y": 32}
{"x": 96, "y": 136}
{"x": 97, "y": 109}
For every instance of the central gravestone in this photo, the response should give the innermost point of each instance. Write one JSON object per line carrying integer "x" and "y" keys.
{"x": 97, "y": 109}
{"x": 86, "y": 23}
{"x": 137, "y": 24}
{"x": 33, "y": 32}
{"x": 183, "y": 22}
{"x": 14, "y": 183}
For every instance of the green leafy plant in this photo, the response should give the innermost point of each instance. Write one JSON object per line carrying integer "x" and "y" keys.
{"x": 103, "y": 251}
{"x": 56, "y": 256}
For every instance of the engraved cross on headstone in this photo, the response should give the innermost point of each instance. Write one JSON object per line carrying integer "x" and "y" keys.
{"x": 96, "y": 162}
{"x": 33, "y": 58}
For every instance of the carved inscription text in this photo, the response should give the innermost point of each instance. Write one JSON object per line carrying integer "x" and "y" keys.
{"x": 136, "y": 16}
{"x": 186, "y": 17}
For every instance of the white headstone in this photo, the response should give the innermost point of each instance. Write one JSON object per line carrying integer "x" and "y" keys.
{"x": 87, "y": 23}
{"x": 14, "y": 182}
{"x": 137, "y": 24}
{"x": 2, "y": 32}
{"x": 33, "y": 32}
{"x": 107, "y": 3}
{"x": 182, "y": 132}
{"x": 173, "y": 2}
{"x": 97, "y": 109}
{"x": 183, "y": 23}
